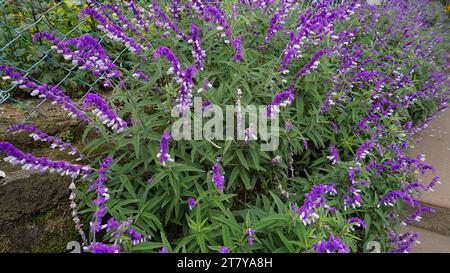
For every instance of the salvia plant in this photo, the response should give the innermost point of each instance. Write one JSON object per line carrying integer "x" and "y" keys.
{"x": 351, "y": 83}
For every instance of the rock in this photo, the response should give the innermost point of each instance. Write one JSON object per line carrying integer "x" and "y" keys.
{"x": 23, "y": 194}
{"x": 34, "y": 209}
{"x": 49, "y": 232}
{"x": 34, "y": 212}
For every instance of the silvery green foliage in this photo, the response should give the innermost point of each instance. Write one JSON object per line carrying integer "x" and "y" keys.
{"x": 350, "y": 82}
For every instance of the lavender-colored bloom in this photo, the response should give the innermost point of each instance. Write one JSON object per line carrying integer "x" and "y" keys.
{"x": 312, "y": 64}
{"x": 416, "y": 215}
{"x": 216, "y": 177}
{"x": 218, "y": 18}
{"x": 175, "y": 9}
{"x": 137, "y": 14}
{"x": 224, "y": 249}
{"x": 288, "y": 125}
{"x": 335, "y": 127}
{"x": 163, "y": 250}
{"x": 282, "y": 99}
{"x": 333, "y": 245}
{"x": 333, "y": 157}
{"x": 102, "y": 195}
{"x": 391, "y": 197}
{"x": 234, "y": 11}
{"x": 351, "y": 174}
{"x": 356, "y": 222}
{"x": 315, "y": 199}
{"x": 251, "y": 239}
{"x": 104, "y": 113}
{"x": 112, "y": 30}
{"x": 184, "y": 99}
{"x": 163, "y": 153}
{"x": 402, "y": 243}
{"x": 88, "y": 55}
{"x": 278, "y": 19}
{"x": 206, "y": 105}
{"x": 434, "y": 181}
{"x": 197, "y": 52}
{"x": 141, "y": 75}
{"x": 103, "y": 248}
{"x": 363, "y": 150}
{"x": 172, "y": 59}
{"x": 47, "y": 36}
{"x": 205, "y": 86}
{"x": 112, "y": 224}
{"x": 191, "y": 203}
{"x": 352, "y": 198}
{"x": 305, "y": 144}
{"x": 183, "y": 77}
{"x": 136, "y": 238}
{"x": 44, "y": 91}
{"x": 42, "y": 164}
{"x": 163, "y": 21}
{"x": 250, "y": 134}
{"x": 236, "y": 43}
{"x": 38, "y": 135}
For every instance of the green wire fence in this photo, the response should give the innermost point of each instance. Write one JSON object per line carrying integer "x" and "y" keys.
{"x": 20, "y": 20}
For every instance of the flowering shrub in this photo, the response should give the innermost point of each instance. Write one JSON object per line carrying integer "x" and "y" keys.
{"x": 350, "y": 82}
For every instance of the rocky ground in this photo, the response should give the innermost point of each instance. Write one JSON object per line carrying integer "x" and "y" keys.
{"x": 34, "y": 211}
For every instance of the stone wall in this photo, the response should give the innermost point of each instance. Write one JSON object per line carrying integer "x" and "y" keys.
{"x": 34, "y": 210}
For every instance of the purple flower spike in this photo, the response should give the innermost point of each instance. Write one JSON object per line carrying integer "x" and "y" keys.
{"x": 136, "y": 238}
{"x": 163, "y": 21}
{"x": 47, "y": 36}
{"x": 282, "y": 99}
{"x": 251, "y": 239}
{"x": 216, "y": 177}
{"x": 89, "y": 55}
{"x": 333, "y": 157}
{"x": 38, "y": 135}
{"x": 163, "y": 153}
{"x": 42, "y": 164}
{"x": 102, "y": 248}
{"x": 104, "y": 113}
{"x": 184, "y": 100}
{"x": 315, "y": 199}
{"x": 172, "y": 59}
{"x": 403, "y": 242}
{"x": 416, "y": 215}
{"x": 112, "y": 30}
{"x": 102, "y": 195}
{"x": 352, "y": 199}
{"x": 312, "y": 64}
{"x": 224, "y": 249}
{"x": 141, "y": 75}
{"x": 356, "y": 222}
{"x": 198, "y": 53}
{"x": 305, "y": 144}
{"x": 288, "y": 125}
{"x": 163, "y": 250}
{"x": 44, "y": 91}
{"x": 236, "y": 43}
{"x": 333, "y": 245}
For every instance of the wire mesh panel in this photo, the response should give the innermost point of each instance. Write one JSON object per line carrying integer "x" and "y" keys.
{"x": 20, "y": 20}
